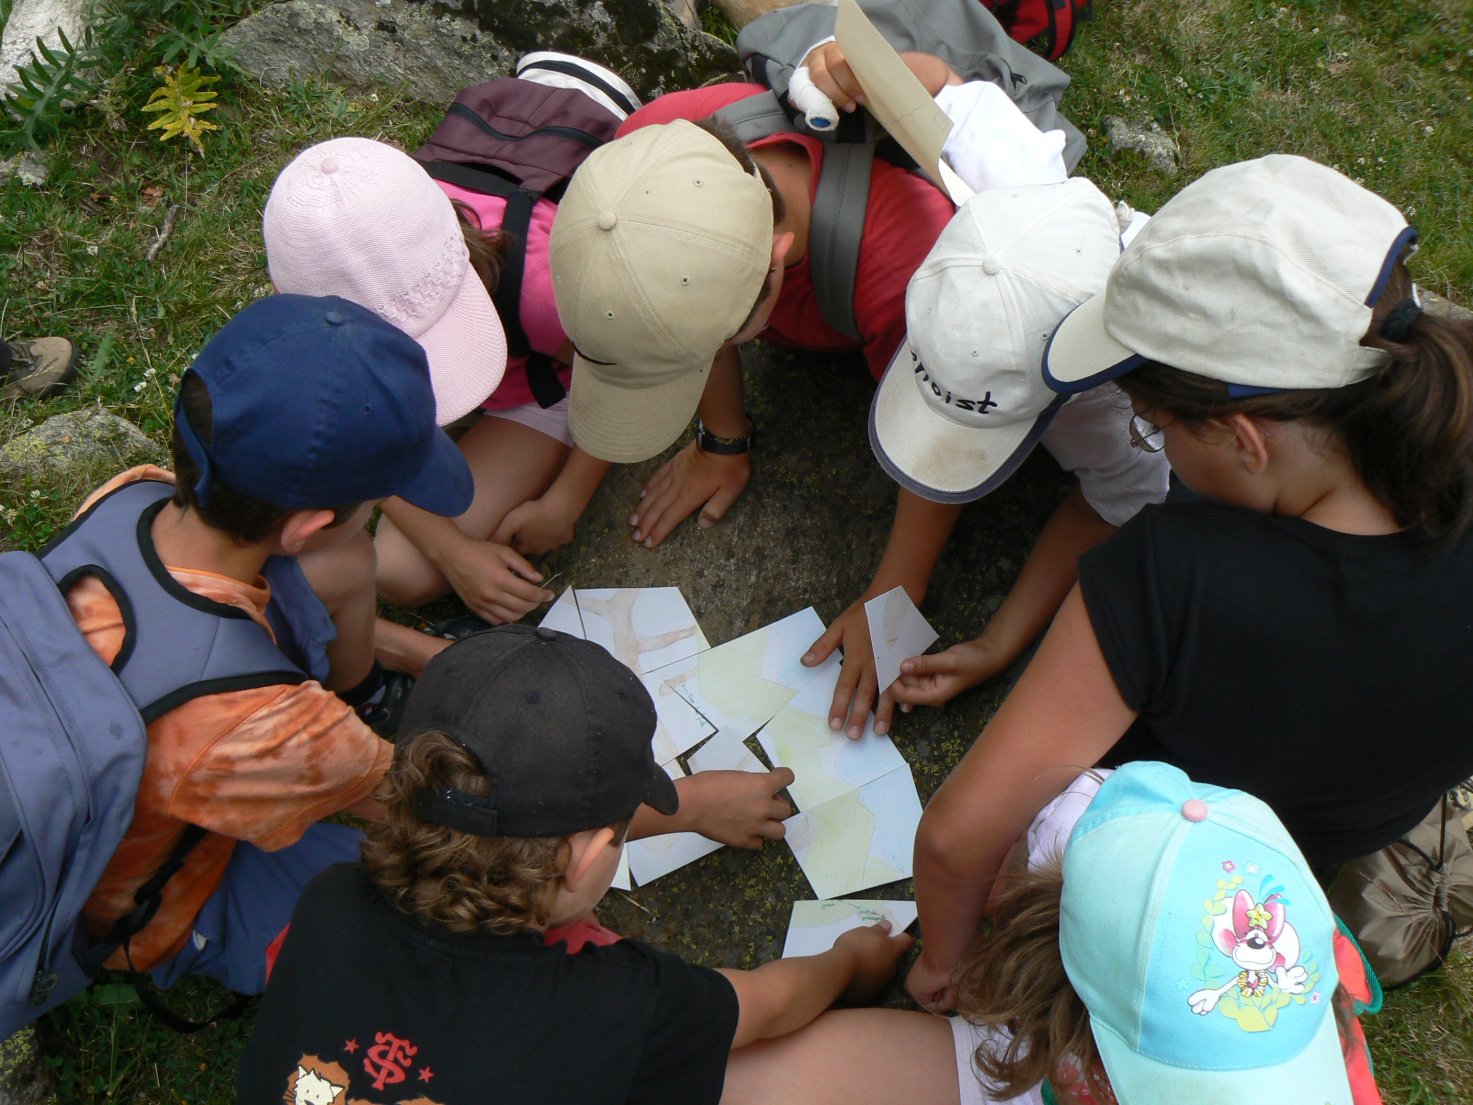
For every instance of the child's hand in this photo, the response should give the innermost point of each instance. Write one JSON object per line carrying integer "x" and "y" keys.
{"x": 736, "y": 807}
{"x": 690, "y": 479}
{"x": 931, "y": 988}
{"x": 832, "y": 76}
{"x": 855, "y": 692}
{"x": 939, "y": 677}
{"x": 537, "y": 526}
{"x": 877, "y": 954}
{"x": 496, "y": 582}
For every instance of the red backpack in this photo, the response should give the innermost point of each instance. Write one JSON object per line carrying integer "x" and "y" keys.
{"x": 1046, "y": 25}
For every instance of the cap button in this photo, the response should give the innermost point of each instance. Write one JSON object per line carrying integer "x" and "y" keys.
{"x": 1194, "y": 809}
{"x": 329, "y": 165}
{"x": 333, "y": 318}
{"x": 607, "y": 220}
{"x": 544, "y": 634}
{"x": 991, "y": 266}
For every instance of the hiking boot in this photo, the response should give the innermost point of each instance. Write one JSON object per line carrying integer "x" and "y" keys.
{"x": 37, "y": 369}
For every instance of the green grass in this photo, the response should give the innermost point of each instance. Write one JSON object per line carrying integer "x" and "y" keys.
{"x": 1381, "y": 90}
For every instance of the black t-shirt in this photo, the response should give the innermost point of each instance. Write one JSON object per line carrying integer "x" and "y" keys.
{"x": 367, "y": 1005}
{"x": 1329, "y": 674}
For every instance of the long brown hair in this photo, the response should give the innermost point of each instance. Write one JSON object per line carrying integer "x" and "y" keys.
{"x": 488, "y": 248}
{"x": 1407, "y": 427}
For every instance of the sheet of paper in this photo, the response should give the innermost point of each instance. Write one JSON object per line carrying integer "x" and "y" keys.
{"x": 645, "y": 627}
{"x": 860, "y": 839}
{"x": 825, "y": 764}
{"x": 679, "y": 725}
{"x": 893, "y": 94}
{"x": 562, "y": 615}
{"x": 897, "y": 631}
{"x": 659, "y": 855}
{"x": 740, "y": 685}
{"x": 814, "y": 926}
{"x": 724, "y": 752}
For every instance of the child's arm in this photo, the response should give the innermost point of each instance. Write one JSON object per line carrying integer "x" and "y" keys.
{"x": 740, "y": 808}
{"x": 1051, "y": 569}
{"x": 694, "y": 478}
{"x": 917, "y": 537}
{"x": 495, "y": 581}
{"x": 546, "y": 523}
{"x": 784, "y": 995}
{"x": 1064, "y": 714}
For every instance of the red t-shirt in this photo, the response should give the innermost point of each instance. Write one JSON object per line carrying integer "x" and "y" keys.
{"x": 902, "y": 222}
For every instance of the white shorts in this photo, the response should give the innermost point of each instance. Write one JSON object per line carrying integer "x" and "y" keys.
{"x": 552, "y": 421}
{"x": 1090, "y": 436}
{"x": 968, "y": 1037}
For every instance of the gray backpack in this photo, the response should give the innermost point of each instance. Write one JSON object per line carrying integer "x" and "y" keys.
{"x": 73, "y": 736}
{"x": 962, "y": 33}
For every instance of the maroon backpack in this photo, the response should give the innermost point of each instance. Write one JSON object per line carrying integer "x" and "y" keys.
{"x": 1046, "y": 25}
{"x": 521, "y": 141}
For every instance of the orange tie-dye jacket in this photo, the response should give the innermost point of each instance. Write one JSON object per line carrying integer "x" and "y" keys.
{"x": 259, "y": 765}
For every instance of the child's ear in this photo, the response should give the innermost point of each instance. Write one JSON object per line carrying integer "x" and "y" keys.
{"x": 1250, "y": 442}
{"x": 585, "y": 849}
{"x": 781, "y": 244}
{"x": 300, "y": 525}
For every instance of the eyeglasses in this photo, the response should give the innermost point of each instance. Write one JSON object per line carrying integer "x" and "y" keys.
{"x": 1145, "y": 434}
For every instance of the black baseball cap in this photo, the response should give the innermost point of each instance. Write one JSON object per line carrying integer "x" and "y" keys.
{"x": 562, "y": 729}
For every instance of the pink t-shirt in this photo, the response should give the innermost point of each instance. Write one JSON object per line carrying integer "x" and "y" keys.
{"x": 538, "y": 311}
{"x": 905, "y": 216}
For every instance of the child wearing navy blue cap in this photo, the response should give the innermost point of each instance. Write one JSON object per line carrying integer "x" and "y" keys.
{"x": 295, "y": 418}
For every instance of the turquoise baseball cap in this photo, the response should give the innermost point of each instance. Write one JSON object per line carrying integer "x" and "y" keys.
{"x": 1195, "y": 934}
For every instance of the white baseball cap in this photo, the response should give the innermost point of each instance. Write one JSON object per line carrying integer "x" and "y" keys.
{"x": 1261, "y": 274}
{"x": 963, "y": 401}
{"x": 359, "y": 219}
{"x": 658, "y": 252}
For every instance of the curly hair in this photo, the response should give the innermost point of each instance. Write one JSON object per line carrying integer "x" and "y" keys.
{"x": 448, "y": 878}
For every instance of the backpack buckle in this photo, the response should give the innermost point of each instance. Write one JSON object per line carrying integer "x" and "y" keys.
{"x": 41, "y": 987}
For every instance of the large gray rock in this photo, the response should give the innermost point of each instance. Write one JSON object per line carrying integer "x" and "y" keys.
{"x": 434, "y": 51}
{"x": 1147, "y": 139}
{"x": 72, "y": 446}
{"x": 33, "y": 19}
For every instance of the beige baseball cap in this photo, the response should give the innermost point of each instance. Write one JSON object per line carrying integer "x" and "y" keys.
{"x": 964, "y": 402}
{"x": 1261, "y": 274}
{"x": 658, "y": 254}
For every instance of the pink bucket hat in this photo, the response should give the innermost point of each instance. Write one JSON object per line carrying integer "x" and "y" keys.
{"x": 359, "y": 219}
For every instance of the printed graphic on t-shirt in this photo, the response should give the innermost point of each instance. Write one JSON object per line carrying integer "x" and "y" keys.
{"x": 388, "y": 1061}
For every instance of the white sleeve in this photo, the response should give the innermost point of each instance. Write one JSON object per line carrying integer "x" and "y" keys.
{"x": 1050, "y": 830}
{"x": 1090, "y": 437}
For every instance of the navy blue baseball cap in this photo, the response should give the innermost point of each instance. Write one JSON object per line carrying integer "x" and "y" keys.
{"x": 318, "y": 402}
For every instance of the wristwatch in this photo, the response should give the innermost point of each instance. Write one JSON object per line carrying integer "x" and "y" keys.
{"x": 707, "y": 442}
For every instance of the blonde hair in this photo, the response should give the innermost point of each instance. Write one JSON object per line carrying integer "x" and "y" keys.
{"x": 1014, "y": 979}
{"x": 452, "y": 879}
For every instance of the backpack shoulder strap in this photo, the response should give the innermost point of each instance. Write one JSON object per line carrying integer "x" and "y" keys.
{"x": 177, "y": 645}
{"x": 839, "y": 203}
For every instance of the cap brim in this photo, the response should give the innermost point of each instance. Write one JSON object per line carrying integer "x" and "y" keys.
{"x": 1316, "y": 1074}
{"x": 662, "y": 796}
{"x": 466, "y": 348}
{"x": 442, "y": 482}
{"x": 628, "y": 425}
{"x": 934, "y": 457}
{"x": 1081, "y": 354}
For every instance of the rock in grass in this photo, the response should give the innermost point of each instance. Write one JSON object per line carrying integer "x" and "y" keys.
{"x": 33, "y": 19}
{"x": 25, "y": 1079}
{"x": 73, "y": 445}
{"x": 371, "y": 44}
{"x": 1148, "y": 139}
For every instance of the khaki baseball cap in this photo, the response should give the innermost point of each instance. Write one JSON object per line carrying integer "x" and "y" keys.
{"x": 658, "y": 254}
{"x": 1261, "y": 274}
